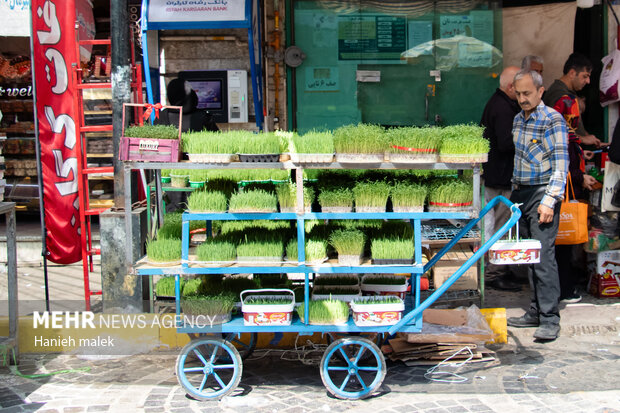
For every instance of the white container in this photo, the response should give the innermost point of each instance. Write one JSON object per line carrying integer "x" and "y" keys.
{"x": 398, "y": 290}
{"x": 365, "y": 315}
{"x": 349, "y": 260}
{"x": 211, "y": 157}
{"x": 311, "y": 157}
{"x": 360, "y": 157}
{"x": 337, "y": 209}
{"x": 363, "y": 209}
{"x": 268, "y": 314}
{"x": 412, "y": 158}
{"x": 505, "y": 252}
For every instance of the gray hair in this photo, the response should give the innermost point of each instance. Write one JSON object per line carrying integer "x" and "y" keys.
{"x": 526, "y": 63}
{"x": 536, "y": 77}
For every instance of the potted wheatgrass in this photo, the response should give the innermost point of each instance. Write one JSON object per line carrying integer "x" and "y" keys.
{"x": 208, "y": 310}
{"x": 393, "y": 250}
{"x": 360, "y": 144}
{"x": 179, "y": 178}
{"x": 463, "y": 144}
{"x": 267, "y": 307}
{"x": 165, "y": 176}
{"x": 451, "y": 195}
{"x": 261, "y": 251}
{"x": 377, "y": 311}
{"x": 261, "y": 147}
{"x": 197, "y": 178}
{"x": 312, "y": 148}
{"x": 384, "y": 284}
{"x": 349, "y": 244}
{"x": 287, "y": 197}
{"x": 207, "y": 201}
{"x": 216, "y": 252}
{"x": 316, "y": 251}
{"x": 209, "y": 147}
{"x": 413, "y": 145}
{"x": 325, "y": 312}
{"x": 343, "y": 293}
{"x": 336, "y": 200}
{"x": 371, "y": 196}
{"x": 164, "y": 252}
{"x": 408, "y": 197}
{"x": 256, "y": 200}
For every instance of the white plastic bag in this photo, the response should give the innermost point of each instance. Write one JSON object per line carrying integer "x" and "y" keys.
{"x": 612, "y": 175}
{"x": 610, "y": 76}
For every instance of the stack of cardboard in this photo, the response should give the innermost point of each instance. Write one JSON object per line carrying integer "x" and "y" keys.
{"x": 445, "y": 333}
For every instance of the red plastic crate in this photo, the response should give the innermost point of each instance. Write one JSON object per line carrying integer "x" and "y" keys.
{"x": 149, "y": 150}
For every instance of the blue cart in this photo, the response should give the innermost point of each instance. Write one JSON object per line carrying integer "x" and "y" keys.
{"x": 210, "y": 365}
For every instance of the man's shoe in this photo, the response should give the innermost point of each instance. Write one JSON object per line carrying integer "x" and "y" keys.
{"x": 526, "y": 320}
{"x": 547, "y": 332}
{"x": 571, "y": 299}
{"x": 504, "y": 285}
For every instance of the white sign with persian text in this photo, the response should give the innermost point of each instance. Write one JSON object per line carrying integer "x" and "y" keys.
{"x": 162, "y": 11}
{"x": 15, "y": 18}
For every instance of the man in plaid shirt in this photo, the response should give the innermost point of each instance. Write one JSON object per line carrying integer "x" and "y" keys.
{"x": 539, "y": 176}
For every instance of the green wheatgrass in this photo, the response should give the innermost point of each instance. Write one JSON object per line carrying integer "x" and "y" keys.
{"x": 463, "y": 139}
{"x": 197, "y": 175}
{"x": 207, "y": 142}
{"x": 384, "y": 299}
{"x": 341, "y": 197}
{"x": 362, "y": 138}
{"x": 190, "y": 287}
{"x": 271, "y": 280}
{"x": 217, "y": 305}
{"x": 261, "y": 248}
{"x": 268, "y": 301}
{"x": 409, "y": 137}
{"x": 348, "y": 242}
{"x": 210, "y": 284}
{"x": 215, "y": 250}
{"x": 207, "y": 201}
{"x": 325, "y": 311}
{"x": 287, "y": 195}
{"x": 235, "y": 284}
{"x": 165, "y": 286}
{"x": 391, "y": 248}
{"x": 163, "y": 250}
{"x": 371, "y": 194}
{"x": 152, "y": 132}
{"x": 452, "y": 191}
{"x": 335, "y": 290}
{"x": 408, "y": 194}
{"x": 316, "y": 250}
{"x": 313, "y": 142}
{"x": 384, "y": 279}
{"x": 262, "y": 143}
{"x": 165, "y": 172}
{"x": 253, "y": 200}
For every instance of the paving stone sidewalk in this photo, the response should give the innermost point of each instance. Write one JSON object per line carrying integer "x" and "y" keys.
{"x": 568, "y": 375}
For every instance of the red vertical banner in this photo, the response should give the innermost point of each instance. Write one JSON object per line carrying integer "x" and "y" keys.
{"x": 53, "y": 39}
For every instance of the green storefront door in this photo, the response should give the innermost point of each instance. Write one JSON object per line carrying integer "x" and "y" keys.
{"x": 394, "y": 63}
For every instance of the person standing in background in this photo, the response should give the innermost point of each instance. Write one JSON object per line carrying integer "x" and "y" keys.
{"x": 539, "y": 178}
{"x": 562, "y": 97}
{"x": 497, "y": 118}
{"x": 533, "y": 62}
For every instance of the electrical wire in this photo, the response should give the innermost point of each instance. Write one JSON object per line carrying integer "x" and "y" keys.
{"x": 449, "y": 376}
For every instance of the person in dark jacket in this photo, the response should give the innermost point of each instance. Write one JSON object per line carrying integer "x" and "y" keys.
{"x": 497, "y": 118}
{"x": 181, "y": 94}
{"x": 562, "y": 97}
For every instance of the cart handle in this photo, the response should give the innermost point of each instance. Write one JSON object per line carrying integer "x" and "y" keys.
{"x": 264, "y": 290}
{"x": 514, "y": 218}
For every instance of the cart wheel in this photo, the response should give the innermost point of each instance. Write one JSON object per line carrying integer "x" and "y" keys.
{"x": 376, "y": 338}
{"x": 212, "y": 370}
{"x": 345, "y": 372}
{"x": 245, "y": 344}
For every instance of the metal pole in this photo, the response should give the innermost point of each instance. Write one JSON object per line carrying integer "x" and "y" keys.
{"x": 121, "y": 86}
{"x": 39, "y": 168}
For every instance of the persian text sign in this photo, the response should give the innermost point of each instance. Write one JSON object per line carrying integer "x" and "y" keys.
{"x": 53, "y": 51}
{"x": 162, "y": 11}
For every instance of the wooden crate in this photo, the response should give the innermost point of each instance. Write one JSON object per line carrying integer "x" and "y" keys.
{"x": 149, "y": 150}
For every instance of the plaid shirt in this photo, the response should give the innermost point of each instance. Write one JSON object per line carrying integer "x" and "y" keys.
{"x": 541, "y": 152}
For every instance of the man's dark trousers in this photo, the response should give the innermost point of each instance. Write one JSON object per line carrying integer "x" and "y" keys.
{"x": 544, "y": 279}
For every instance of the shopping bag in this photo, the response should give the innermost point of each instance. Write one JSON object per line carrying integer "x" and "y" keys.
{"x": 573, "y": 227}
{"x": 608, "y": 82}
{"x": 610, "y": 183}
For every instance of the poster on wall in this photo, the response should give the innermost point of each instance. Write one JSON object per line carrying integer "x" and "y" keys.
{"x": 162, "y": 11}
{"x": 53, "y": 51}
{"x": 371, "y": 37}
